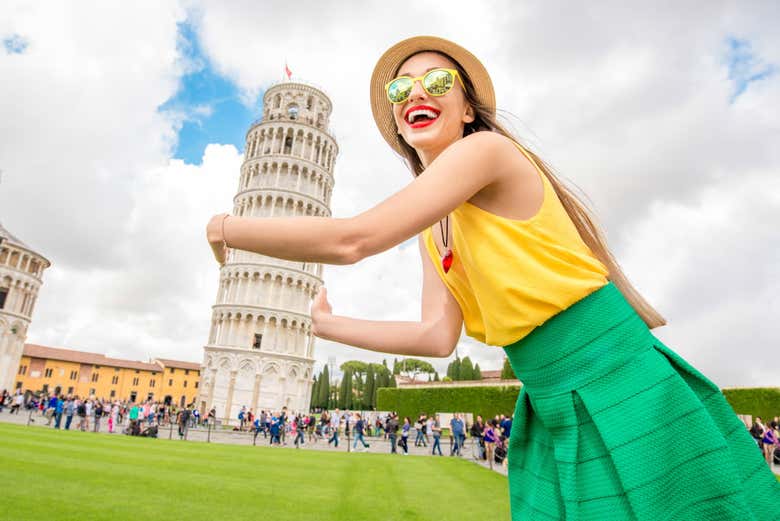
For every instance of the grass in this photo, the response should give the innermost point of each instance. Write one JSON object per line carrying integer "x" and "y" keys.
{"x": 72, "y": 475}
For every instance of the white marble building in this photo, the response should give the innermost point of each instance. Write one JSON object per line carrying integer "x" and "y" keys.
{"x": 21, "y": 272}
{"x": 260, "y": 351}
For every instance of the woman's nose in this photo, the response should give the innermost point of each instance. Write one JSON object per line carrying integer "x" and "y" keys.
{"x": 417, "y": 91}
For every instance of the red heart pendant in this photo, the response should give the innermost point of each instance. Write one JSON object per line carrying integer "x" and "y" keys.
{"x": 446, "y": 261}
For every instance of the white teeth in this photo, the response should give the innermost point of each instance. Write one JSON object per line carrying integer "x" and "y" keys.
{"x": 425, "y": 112}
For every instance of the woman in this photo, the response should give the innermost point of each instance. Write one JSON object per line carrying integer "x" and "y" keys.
{"x": 511, "y": 254}
{"x": 489, "y": 435}
{"x": 404, "y": 443}
{"x": 770, "y": 441}
{"x": 477, "y": 440}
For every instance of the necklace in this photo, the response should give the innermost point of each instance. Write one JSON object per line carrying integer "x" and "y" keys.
{"x": 446, "y": 260}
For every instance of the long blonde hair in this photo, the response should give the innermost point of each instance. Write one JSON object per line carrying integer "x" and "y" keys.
{"x": 578, "y": 212}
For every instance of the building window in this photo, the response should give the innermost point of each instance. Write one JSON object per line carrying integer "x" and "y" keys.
{"x": 74, "y": 375}
{"x": 116, "y": 369}
{"x": 22, "y": 370}
{"x": 70, "y": 390}
{"x": 185, "y": 383}
{"x": 45, "y": 388}
{"x": 196, "y": 385}
{"x": 113, "y": 393}
{"x": 137, "y": 371}
{"x": 186, "y": 371}
{"x": 258, "y": 341}
{"x": 151, "y": 382}
{"x": 150, "y": 396}
{"x": 135, "y": 381}
{"x": 114, "y": 380}
{"x": 170, "y": 382}
{"x": 3, "y": 294}
{"x": 92, "y": 392}
{"x": 95, "y": 377}
{"x": 18, "y": 385}
{"x": 48, "y": 373}
{"x": 172, "y": 370}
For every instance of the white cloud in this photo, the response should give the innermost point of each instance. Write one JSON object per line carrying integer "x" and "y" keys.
{"x": 629, "y": 103}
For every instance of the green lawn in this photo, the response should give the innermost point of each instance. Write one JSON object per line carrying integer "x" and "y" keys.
{"x": 72, "y": 475}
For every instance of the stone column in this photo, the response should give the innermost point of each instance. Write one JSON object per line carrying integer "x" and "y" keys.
{"x": 229, "y": 401}
{"x": 256, "y": 393}
{"x": 213, "y": 384}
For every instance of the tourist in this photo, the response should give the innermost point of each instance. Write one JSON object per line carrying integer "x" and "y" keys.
{"x": 436, "y": 432}
{"x": 489, "y": 436}
{"x": 70, "y": 409}
{"x": 275, "y": 429}
{"x": 769, "y": 440}
{"x": 407, "y": 426}
{"x": 391, "y": 428}
{"x": 98, "y": 411}
{"x": 457, "y": 431}
{"x": 335, "y": 421}
{"x": 299, "y": 427}
{"x": 81, "y": 412}
{"x": 476, "y": 431}
{"x": 420, "y": 440}
{"x": 112, "y": 417}
{"x": 241, "y": 418}
{"x": 757, "y": 432}
{"x": 359, "y": 428}
{"x": 58, "y": 409}
{"x": 529, "y": 270}
{"x": 17, "y": 403}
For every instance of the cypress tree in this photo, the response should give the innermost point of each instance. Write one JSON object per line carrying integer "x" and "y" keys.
{"x": 348, "y": 400}
{"x": 436, "y": 377}
{"x": 324, "y": 399}
{"x": 477, "y": 372}
{"x": 315, "y": 392}
{"x": 368, "y": 391}
{"x": 466, "y": 369}
{"x": 506, "y": 371}
{"x": 456, "y": 369}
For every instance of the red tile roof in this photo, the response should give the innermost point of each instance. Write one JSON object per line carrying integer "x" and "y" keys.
{"x": 178, "y": 364}
{"x": 84, "y": 357}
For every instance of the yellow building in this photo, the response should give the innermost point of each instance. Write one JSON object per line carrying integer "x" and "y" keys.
{"x": 66, "y": 371}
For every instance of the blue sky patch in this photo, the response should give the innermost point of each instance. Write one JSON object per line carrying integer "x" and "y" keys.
{"x": 211, "y": 105}
{"x": 745, "y": 66}
{"x": 15, "y": 44}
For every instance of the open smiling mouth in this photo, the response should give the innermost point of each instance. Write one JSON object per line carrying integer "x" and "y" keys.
{"x": 422, "y": 116}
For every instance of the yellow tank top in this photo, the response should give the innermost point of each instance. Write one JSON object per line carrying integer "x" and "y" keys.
{"x": 509, "y": 276}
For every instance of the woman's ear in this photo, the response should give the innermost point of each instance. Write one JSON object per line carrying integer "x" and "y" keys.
{"x": 468, "y": 116}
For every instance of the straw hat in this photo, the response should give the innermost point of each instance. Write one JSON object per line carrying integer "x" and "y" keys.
{"x": 387, "y": 66}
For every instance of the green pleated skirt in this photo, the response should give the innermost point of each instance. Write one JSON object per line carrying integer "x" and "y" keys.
{"x": 611, "y": 424}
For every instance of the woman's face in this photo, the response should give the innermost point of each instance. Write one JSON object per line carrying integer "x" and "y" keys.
{"x": 452, "y": 111}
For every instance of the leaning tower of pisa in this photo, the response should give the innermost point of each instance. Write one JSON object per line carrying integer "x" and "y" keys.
{"x": 260, "y": 351}
{"x": 21, "y": 272}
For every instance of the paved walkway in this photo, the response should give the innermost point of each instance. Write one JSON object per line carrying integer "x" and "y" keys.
{"x": 377, "y": 445}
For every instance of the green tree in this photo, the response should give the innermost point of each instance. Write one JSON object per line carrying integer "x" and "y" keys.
{"x": 414, "y": 366}
{"x": 506, "y": 371}
{"x": 369, "y": 390}
{"x": 456, "y": 370}
{"x": 436, "y": 377}
{"x": 315, "y": 388}
{"x": 477, "y": 373}
{"x": 396, "y": 367}
{"x": 466, "y": 369}
{"x": 391, "y": 382}
{"x": 324, "y": 398}
{"x": 342, "y": 400}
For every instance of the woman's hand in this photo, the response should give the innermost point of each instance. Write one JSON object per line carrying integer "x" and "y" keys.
{"x": 320, "y": 310}
{"x": 214, "y": 234}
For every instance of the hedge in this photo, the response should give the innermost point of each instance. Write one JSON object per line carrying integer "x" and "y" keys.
{"x": 487, "y": 401}
{"x": 756, "y": 401}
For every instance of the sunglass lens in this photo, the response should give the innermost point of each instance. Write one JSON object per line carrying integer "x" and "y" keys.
{"x": 438, "y": 82}
{"x": 399, "y": 89}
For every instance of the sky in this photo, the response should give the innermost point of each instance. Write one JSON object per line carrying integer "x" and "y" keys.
{"x": 122, "y": 132}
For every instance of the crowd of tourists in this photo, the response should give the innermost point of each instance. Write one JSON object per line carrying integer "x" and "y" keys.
{"x": 90, "y": 414}
{"x": 767, "y": 437}
{"x": 487, "y": 439}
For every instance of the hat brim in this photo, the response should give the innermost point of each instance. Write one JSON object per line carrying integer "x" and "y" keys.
{"x": 387, "y": 67}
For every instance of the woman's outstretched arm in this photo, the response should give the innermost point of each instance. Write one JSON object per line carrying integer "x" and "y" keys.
{"x": 436, "y": 334}
{"x": 460, "y": 171}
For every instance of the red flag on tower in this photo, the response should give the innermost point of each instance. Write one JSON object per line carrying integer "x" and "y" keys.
{"x": 287, "y": 70}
